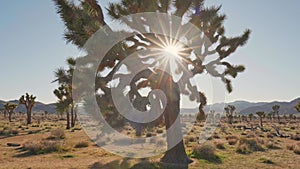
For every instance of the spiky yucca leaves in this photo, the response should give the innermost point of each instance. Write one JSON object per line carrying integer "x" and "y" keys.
{"x": 81, "y": 21}
{"x": 9, "y": 108}
{"x": 28, "y": 101}
{"x": 64, "y": 92}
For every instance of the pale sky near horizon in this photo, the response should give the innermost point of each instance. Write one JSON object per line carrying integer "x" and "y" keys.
{"x": 32, "y": 47}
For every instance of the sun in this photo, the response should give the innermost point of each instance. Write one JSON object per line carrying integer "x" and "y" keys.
{"x": 172, "y": 49}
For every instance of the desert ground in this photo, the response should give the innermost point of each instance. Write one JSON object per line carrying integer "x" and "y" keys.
{"x": 47, "y": 144}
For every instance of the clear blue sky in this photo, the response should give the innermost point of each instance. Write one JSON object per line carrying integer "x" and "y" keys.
{"x": 32, "y": 47}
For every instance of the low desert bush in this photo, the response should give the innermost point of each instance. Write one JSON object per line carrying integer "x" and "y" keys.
{"x": 159, "y": 131}
{"x": 190, "y": 139}
{"x": 206, "y": 152}
{"x": 297, "y": 149}
{"x": 248, "y": 145}
{"x": 272, "y": 145}
{"x": 220, "y": 145}
{"x": 82, "y": 144}
{"x": 232, "y": 139}
{"x": 295, "y": 137}
{"x": 57, "y": 134}
{"x": 266, "y": 161}
{"x": 43, "y": 147}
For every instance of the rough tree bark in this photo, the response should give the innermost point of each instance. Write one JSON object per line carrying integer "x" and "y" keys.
{"x": 176, "y": 155}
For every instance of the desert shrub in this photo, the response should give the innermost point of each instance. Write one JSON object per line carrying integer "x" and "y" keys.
{"x": 14, "y": 132}
{"x": 297, "y": 149}
{"x": 206, "y": 152}
{"x": 290, "y": 147}
{"x": 243, "y": 149}
{"x": 82, "y": 144}
{"x": 250, "y": 135}
{"x": 57, "y": 134}
{"x": 149, "y": 135}
{"x": 43, "y": 147}
{"x": 159, "y": 131}
{"x": 266, "y": 161}
{"x": 269, "y": 135}
{"x": 272, "y": 145}
{"x": 232, "y": 139}
{"x": 295, "y": 137}
{"x": 220, "y": 145}
{"x": 248, "y": 145}
{"x": 190, "y": 139}
{"x": 35, "y": 125}
{"x": 260, "y": 140}
{"x": 216, "y": 136}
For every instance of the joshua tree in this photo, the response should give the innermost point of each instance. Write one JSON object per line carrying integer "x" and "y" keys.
{"x": 201, "y": 114}
{"x": 275, "y": 109}
{"x": 244, "y": 118}
{"x": 297, "y": 107}
{"x": 64, "y": 92}
{"x": 28, "y": 101}
{"x": 84, "y": 20}
{"x": 230, "y": 109}
{"x": 250, "y": 116}
{"x": 9, "y": 108}
{"x": 269, "y": 116}
{"x": 261, "y": 115}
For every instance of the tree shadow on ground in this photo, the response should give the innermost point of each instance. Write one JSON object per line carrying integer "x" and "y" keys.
{"x": 128, "y": 164}
{"x": 23, "y": 153}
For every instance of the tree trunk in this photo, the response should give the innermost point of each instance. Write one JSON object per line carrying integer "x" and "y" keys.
{"x": 72, "y": 116}
{"x": 176, "y": 155}
{"x": 278, "y": 117}
{"x": 261, "y": 123}
{"x": 28, "y": 116}
{"x": 9, "y": 116}
{"x": 68, "y": 120}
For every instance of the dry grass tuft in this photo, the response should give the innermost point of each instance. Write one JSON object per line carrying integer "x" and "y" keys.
{"x": 82, "y": 144}
{"x": 57, "y": 134}
{"x": 43, "y": 147}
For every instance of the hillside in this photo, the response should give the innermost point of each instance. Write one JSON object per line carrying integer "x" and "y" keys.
{"x": 38, "y": 107}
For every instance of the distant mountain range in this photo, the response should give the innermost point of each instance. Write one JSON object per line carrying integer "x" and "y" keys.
{"x": 242, "y": 107}
{"x": 38, "y": 107}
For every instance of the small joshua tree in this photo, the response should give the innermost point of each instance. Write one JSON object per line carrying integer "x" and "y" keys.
{"x": 276, "y": 111}
{"x": 9, "y": 108}
{"x": 28, "y": 101}
{"x": 261, "y": 115}
{"x": 250, "y": 116}
{"x": 229, "y": 113}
